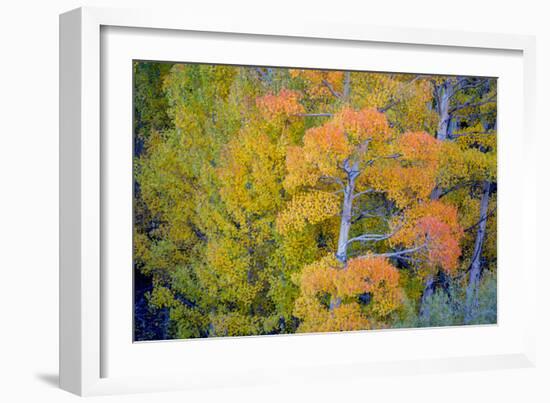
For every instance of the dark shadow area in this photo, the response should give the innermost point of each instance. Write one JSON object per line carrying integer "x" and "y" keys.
{"x": 49, "y": 379}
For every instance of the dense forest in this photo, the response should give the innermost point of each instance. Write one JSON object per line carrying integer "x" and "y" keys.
{"x": 276, "y": 201}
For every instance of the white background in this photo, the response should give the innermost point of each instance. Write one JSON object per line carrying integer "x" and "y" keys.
{"x": 29, "y": 186}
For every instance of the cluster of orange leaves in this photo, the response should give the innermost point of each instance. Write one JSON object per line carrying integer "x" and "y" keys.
{"x": 437, "y": 224}
{"x": 413, "y": 175}
{"x": 286, "y": 103}
{"x": 326, "y": 147}
{"x": 360, "y": 125}
{"x": 318, "y": 80}
{"x": 373, "y": 275}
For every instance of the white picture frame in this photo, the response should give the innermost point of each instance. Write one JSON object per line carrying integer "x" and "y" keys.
{"x": 84, "y": 339}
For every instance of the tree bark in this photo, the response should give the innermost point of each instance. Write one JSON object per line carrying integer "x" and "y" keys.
{"x": 443, "y": 95}
{"x": 345, "y": 220}
{"x": 428, "y": 292}
{"x": 347, "y": 86}
{"x": 475, "y": 266}
{"x": 345, "y": 223}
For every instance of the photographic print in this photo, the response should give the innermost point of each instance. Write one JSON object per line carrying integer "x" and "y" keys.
{"x": 271, "y": 200}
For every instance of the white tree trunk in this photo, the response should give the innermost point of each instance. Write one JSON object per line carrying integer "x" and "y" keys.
{"x": 475, "y": 267}
{"x": 444, "y": 92}
{"x": 345, "y": 222}
{"x": 345, "y": 219}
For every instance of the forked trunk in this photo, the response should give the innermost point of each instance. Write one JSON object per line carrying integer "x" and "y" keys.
{"x": 345, "y": 224}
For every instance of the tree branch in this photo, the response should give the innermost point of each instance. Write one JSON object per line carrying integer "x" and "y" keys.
{"x": 373, "y": 213}
{"x": 263, "y": 75}
{"x": 455, "y": 187}
{"x": 457, "y": 86}
{"x": 457, "y": 135}
{"x": 377, "y": 237}
{"x": 363, "y": 192}
{"x": 489, "y": 214}
{"x": 401, "y": 252}
{"x": 331, "y": 89}
{"x": 471, "y": 86}
{"x": 332, "y": 179}
{"x": 370, "y": 237}
{"x": 395, "y": 101}
{"x": 472, "y": 105}
{"x": 383, "y": 157}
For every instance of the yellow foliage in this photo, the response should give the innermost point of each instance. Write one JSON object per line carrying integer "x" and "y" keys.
{"x": 250, "y": 171}
{"x": 307, "y": 208}
{"x": 227, "y": 272}
{"x": 233, "y": 324}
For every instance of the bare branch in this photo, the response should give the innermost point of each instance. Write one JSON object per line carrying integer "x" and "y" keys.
{"x": 377, "y": 237}
{"x": 401, "y": 252}
{"x": 456, "y": 187}
{"x": 332, "y": 179}
{"x": 364, "y": 192}
{"x": 484, "y": 218}
{"x": 469, "y": 104}
{"x": 383, "y": 157}
{"x": 456, "y": 135}
{"x": 471, "y": 85}
{"x": 263, "y": 75}
{"x": 369, "y": 214}
{"x": 458, "y": 86}
{"x": 331, "y": 89}
{"x": 471, "y": 116}
{"x": 395, "y": 101}
{"x": 370, "y": 237}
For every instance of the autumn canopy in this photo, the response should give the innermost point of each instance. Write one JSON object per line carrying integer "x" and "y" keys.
{"x": 271, "y": 200}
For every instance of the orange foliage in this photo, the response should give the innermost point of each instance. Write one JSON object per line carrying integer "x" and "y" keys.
{"x": 443, "y": 248}
{"x": 350, "y": 133}
{"x": 419, "y": 146}
{"x": 412, "y": 176}
{"x": 286, "y": 103}
{"x": 320, "y": 81}
{"x": 364, "y": 124}
{"x": 373, "y": 275}
{"x": 437, "y": 224}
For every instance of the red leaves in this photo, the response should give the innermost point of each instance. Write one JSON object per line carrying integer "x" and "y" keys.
{"x": 436, "y": 225}
{"x": 443, "y": 247}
